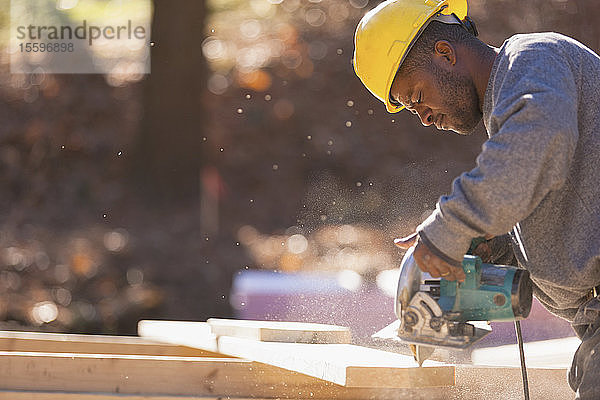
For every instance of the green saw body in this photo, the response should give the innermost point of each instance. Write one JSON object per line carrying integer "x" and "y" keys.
{"x": 489, "y": 293}
{"x": 436, "y": 312}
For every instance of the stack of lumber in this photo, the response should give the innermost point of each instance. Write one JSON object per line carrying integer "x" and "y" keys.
{"x": 232, "y": 359}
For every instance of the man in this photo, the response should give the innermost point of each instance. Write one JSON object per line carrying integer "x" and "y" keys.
{"x": 539, "y": 97}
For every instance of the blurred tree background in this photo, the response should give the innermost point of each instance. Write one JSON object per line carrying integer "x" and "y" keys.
{"x": 250, "y": 145}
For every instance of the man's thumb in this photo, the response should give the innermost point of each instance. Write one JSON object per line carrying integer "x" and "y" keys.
{"x": 406, "y": 242}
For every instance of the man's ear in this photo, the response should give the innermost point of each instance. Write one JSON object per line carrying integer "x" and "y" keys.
{"x": 445, "y": 52}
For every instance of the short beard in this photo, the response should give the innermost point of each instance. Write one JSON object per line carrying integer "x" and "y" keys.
{"x": 460, "y": 99}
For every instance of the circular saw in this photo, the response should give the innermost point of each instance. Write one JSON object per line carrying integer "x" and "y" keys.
{"x": 435, "y": 312}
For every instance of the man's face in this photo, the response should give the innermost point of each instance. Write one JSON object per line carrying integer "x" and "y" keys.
{"x": 446, "y": 99}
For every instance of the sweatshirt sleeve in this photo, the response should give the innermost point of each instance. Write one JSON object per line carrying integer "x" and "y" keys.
{"x": 533, "y": 135}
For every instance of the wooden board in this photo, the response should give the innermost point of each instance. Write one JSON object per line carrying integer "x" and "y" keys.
{"x": 343, "y": 364}
{"x": 502, "y": 382}
{"x": 180, "y": 333}
{"x": 106, "y": 377}
{"x": 28, "y": 395}
{"x": 554, "y": 353}
{"x": 93, "y": 344}
{"x": 67, "y": 377}
{"x": 472, "y": 381}
{"x": 39, "y": 376}
{"x": 276, "y": 331}
{"x": 139, "y": 374}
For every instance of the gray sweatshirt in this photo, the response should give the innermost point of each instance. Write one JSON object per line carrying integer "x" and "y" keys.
{"x": 537, "y": 173}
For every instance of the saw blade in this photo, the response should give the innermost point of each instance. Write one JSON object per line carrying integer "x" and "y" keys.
{"x": 421, "y": 353}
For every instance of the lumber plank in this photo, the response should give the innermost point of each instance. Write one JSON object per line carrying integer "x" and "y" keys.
{"x": 151, "y": 376}
{"x": 553, "y": 353}
{"x": 502, "y": 382}
{"x": 201, "y": 376}
{"x": 472, "y": 381}
{"x": 39, "y": 376}
{"x": 342, "y": 364}
{"x": 93, "y": 344}
{"x": 29, "y": 395}
{"x": 184, "y": 333}
{"x": 278, "y": 331}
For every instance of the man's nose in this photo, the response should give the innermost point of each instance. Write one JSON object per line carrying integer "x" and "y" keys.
{"x": 426, "y": 116}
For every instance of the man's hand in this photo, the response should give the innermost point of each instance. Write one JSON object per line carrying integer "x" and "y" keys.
{"x": 483, "y": 251}
{"x": 429, "y": 262}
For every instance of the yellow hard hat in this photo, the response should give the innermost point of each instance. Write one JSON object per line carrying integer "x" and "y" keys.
{"x": 385, "y": 34}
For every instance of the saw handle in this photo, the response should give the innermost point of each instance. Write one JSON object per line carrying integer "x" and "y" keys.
{"x": 471, "y": 265}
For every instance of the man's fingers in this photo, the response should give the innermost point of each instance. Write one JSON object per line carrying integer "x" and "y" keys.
{"x": 406, "y": 242}
{"x": 433, "y": 265}
{"x": 438, "y": 268}
{"x": 425, "y": 262}
{"x": 447, "y": 274}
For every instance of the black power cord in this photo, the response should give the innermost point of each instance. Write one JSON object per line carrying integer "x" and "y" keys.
{"x": 522, "y": 355}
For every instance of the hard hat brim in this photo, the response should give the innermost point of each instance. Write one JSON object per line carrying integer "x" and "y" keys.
{"x": 447, "y": 7}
